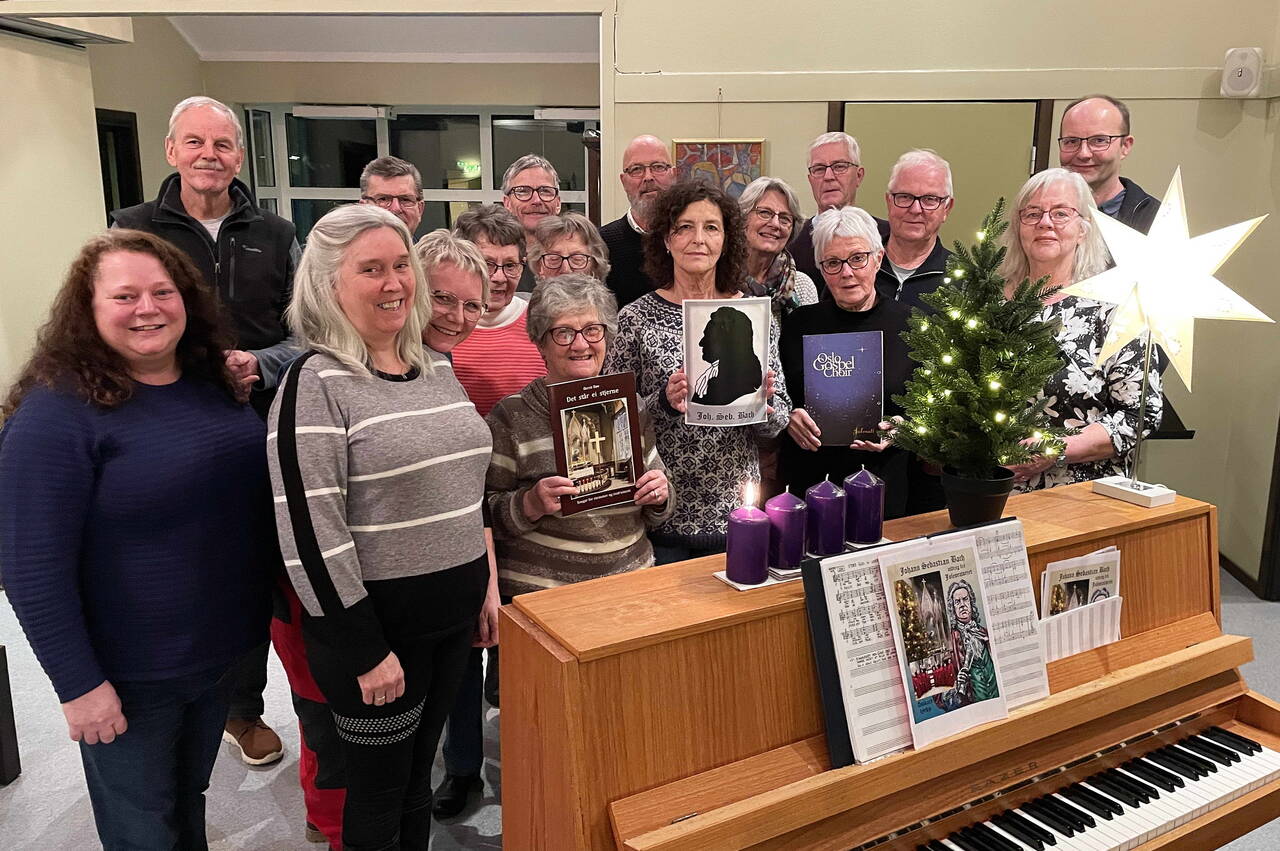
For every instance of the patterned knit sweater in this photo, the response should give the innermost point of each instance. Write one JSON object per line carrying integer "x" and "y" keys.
{"x": 557, "y": 550}
{"x": 708, "y": 466}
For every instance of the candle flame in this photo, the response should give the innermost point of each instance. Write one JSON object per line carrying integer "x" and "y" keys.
{"x": 749, "y": 494}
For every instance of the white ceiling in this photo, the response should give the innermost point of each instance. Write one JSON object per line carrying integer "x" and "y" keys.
{"x": 392, "y": 38}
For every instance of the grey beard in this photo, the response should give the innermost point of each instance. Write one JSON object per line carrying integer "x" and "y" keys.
{"x": 641, "y": 210}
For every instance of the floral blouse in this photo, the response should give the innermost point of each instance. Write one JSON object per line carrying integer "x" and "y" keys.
{"x": 1082, "y": 392}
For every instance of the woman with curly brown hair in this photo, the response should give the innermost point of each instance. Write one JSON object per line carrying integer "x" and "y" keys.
{"x": 136, "y": 535}
{"x": 694, "y": 249}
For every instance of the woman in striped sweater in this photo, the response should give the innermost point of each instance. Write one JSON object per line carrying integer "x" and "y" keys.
{"x": 377, "y": 460}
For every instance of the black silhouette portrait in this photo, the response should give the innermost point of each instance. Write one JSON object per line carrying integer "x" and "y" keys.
{"x": 728, "y": 346}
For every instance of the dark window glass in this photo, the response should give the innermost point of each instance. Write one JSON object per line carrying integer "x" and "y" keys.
{"x": 442, "y": 214}
{"x": 445, "y": 148}
{"x": 308, "y": 211}
{"x": 558, "y": 141}
{"x": 329, "y": 152}
{"x": 264, "y": 162}
{"x": 269, "y": 204}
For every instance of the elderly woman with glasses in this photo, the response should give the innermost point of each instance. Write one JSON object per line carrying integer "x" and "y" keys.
{"x": 568, "y": 243}
{"x": 848, "y": 251}
{"x": 1055, "y": 236}
{"x": 771, "y": 217}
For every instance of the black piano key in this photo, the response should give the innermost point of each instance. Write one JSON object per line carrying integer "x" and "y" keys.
{"x": 1072, "y": 794}
{"x": 965, "y": 842}
{"x": 935, "y": 845}
{"x": 1176, "y": 762}
{"x": 994, "y": 839}
{"x": 1109, "y": 787}
{"x": 1206, "y": 748}
{"x": 1198, "y": 761}
{"x": 1080, "y": 813}
{"x": 1100, "y": 800}
{"x": 1049, "y": 817}
{"x": 1227, "y": 735}
{"x": 1144, "y": 791}
{"x": 1015, "y": 816}
{"x": 1148, "y": 772}
{"x": 1056, "y": 807}
{"x": 980, "y": 839}
{"x": 1023, "y": 835}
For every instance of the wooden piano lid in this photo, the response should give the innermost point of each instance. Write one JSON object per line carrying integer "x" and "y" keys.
{"x": 623, "y": 613}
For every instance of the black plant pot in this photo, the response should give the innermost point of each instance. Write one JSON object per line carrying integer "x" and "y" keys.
{"x": 971, "y": 501}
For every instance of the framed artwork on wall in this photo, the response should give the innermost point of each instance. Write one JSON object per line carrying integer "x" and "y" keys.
{"x": 729, "y": 163}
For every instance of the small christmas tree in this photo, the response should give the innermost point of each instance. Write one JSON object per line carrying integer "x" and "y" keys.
{"x": 983, "y": 359}
{"x": 915, "y": 639}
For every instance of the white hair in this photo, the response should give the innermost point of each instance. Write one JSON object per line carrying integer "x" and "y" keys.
{"x": 844, "y": 221}
{"x": 316, "y": 319}
{"x": 922, "y": 158}
{"x": 1091, "y": 254}
{"x": 525, "y": 163}
{"x": 441, "y": 246}
{"x": 216, "y": 105}
{"x": 855, "y": 153}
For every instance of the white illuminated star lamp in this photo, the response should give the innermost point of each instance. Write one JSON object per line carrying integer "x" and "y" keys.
{"x": 1162, "y": 282}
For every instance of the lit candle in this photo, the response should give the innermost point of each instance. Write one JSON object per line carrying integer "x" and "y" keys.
{"x": 787, "y": 514}
{"x": 825, "y": 502}
{"x": 864, "y": 520}
{"x": 747, "y": 548}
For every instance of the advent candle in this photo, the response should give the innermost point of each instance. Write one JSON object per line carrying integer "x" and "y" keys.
{"x": 787, "y": 515}
{"x": 825, "y": 502}
{"x": 864, "y": 518}
{"x": 747, "y": 548}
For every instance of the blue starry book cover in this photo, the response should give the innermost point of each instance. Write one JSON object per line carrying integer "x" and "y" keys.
{"x": 844, "y": 385}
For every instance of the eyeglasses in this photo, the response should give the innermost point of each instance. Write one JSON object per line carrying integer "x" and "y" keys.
{"x": 855, "y": 261}
{"x": 840, "y": 167}
{"x": 766, "y": 215}
{"x": 1096, "y": 143}
{"x": 525, "y": 193}
{"x": 448, "y": 301}
{"x": 927, "y": 202}
{"x": 563, "y": 335}
{"x": 656, "y": 169}
{"x": 577, "y": 262}
{"x": 1058, "y": 216}
{"x": 511, "y": 270}
{"x": 385, "y": 201}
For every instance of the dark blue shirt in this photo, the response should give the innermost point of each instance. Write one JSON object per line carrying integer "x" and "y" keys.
{"x": 136, "y": 543}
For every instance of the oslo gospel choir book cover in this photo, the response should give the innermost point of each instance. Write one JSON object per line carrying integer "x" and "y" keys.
{"x": 726, "y": 355}
{"x": 595, "y": 424}
{"x": 844, "y": 385}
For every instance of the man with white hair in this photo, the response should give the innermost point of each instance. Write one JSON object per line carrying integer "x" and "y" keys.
{"x": 646, "y": 172}
{"x": 248, "y": 256}
{"x": 530, "y": 192}
{"x": 835, "y": 173}
{"x": 919, "y": 199}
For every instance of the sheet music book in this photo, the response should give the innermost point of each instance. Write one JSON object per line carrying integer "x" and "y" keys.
{"x": 1076, "y": 582}
{"x": 1077, "y": 630}
{"x": 844, "y": 385}
{"x": 595, "y": 426}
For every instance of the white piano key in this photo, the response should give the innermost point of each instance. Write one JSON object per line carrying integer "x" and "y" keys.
{"x": 1102, "y": 828}
{"x": 1134, "y": 824}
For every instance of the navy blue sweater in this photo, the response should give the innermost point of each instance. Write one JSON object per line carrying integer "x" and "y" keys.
{"x": 136, "y": 543}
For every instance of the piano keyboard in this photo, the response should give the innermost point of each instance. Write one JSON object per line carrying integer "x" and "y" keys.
{"x": 1132, "y": 803}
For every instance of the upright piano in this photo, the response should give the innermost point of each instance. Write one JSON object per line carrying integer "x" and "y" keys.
{"x": 663, "y": 710}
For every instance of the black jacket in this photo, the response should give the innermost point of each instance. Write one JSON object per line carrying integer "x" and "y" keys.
{"x": 626, "y": 277}
{"x": 251, "y": 266}
{"x": 925, "y": 279}
{"x": 801, "y": 249}
{"x": 1138, "y": 209}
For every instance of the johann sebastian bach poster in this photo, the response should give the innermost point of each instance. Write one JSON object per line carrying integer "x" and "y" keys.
{"x": 726, "y": 355}
{"x": 595, "y": 425}
{"x": 844, "y": 385}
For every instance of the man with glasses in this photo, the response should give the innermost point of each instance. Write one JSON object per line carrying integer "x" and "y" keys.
{"x": 646, "y": 172}
{"x": 835, "y": 172}
{"x": 394, "y": 185}
{"x": 1093, "y": 139}
{"x": 919, "y": 199}
{"x": 531, "y": 192}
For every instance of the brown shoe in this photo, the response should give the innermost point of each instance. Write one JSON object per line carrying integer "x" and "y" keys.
{"x": 258, "y": 743}
{"x": 314, "y": 834}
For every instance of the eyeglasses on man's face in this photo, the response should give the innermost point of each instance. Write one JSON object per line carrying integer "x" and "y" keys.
{"x": 511, "y": 270}
{"x": 838, "y": 168}
{"x": 635, "y": 172}
{"x": 1100, "y": 142}
{"x": 1058, "y": 216}
{"x": 386, "y": 201}
{"x": 563, "y": 335}
{"x": 448, "y": 301}
{"x": 526, "y": 193}
{"x": 765, "y": 215}
{"x": 855, "y": 261}
{"x": 577, "y": 262}
{"x": 927, "y": 202}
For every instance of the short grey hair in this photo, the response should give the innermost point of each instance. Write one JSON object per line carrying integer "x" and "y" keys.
{"x": 575, "y": 292}
{"x": 756, "y": 190}
{"x": 920, "y": 158}
{"x": 494, "y": 222}
{"x": 844, "y": 221}
{"x": 314, "y": 316}
{"x": 388, "y": 168}
{"x": 553, "y": 228}
{"x": 855, "y": 153}
{"x": 440, "y": 247}
{"x": 526, "y": 162}
{"x": 216, "y": 105}
{"x": 1091, "y": 258}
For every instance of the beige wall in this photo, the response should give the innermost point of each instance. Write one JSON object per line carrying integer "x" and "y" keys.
{"x": 49, "y": 171}
{"x": 147, "y": 77}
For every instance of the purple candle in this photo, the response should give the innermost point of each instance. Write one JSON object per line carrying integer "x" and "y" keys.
{"x": 786, "y": 514}
{"x": 864, "y": 520}
{"x": 747, "y": 548}
{"x": 826, "y": 518}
